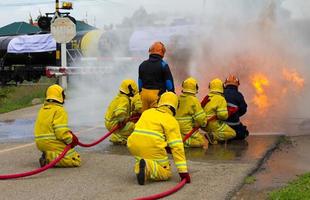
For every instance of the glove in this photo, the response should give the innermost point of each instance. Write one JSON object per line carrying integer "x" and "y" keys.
{"x": 185, "y": 176}
{"x": 168, "y": 149}
{"x": 75, "y": 140}
{"x": 122, "y": 124}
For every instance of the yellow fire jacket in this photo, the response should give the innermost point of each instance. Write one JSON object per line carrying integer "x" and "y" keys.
{"x": 155, "y": 130}
{"x": 52, "y": 124}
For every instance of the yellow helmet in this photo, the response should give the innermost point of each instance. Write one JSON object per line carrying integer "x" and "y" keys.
{"x": 168, "y": 99}
{"x": 190, "y": 85}
{"x": 216, "y": 85}
{"x": 55, "y": 92}
{"x": 129, "y": 87}
{"x": 158, "y": 48}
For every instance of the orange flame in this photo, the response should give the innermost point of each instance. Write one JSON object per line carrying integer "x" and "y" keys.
{"x": 294, "y": 77}
{"x": 260, "y": 99}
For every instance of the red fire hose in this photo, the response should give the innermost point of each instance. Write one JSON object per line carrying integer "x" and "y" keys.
{"x": 166, "y": 193}
{"x": 30, "y": 173}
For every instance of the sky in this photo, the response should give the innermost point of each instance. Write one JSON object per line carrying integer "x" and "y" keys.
{"x": 104, "y": 12}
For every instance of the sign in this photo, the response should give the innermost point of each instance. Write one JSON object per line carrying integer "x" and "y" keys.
{"x": 63, "y": 30}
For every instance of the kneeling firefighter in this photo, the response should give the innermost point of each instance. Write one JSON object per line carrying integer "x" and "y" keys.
{"x": 156, "y": 131}
{"x": 119, "y": 111}
{"x": 235, "y": 98}
{"x": 217, "y": 113}
{"x": 51, "y": 131}
{"x": 190, "y": 114}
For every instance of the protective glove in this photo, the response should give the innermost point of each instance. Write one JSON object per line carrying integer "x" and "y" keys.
{"x": 185, "y": 176}
{"x": 168, "y": 149}
{"x": 122, "y": 124}
{"x": 75, "y": 140}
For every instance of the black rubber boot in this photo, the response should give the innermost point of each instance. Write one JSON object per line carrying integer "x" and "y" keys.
{"x": 42, "y": 160}
{"x": 141, "y": 174}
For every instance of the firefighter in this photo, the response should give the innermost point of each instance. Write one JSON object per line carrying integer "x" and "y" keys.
{"x": 155, "y": 76}
{"x": 235, "y": 98}
{"x": 217, "y": 113}
{"x": 51, "y": 130}
{"x": 119, "y": 111}
{"x": 156, "y": 130}
{"x": 190, "y": 114}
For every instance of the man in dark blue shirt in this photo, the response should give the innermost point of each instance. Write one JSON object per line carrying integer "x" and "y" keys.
{"x": 235, "y": 99}
{"x": 155, "y": 77}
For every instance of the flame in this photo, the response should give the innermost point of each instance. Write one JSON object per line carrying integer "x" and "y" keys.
{"x": 293, "y": 76}
{"x": 260, "y": 99}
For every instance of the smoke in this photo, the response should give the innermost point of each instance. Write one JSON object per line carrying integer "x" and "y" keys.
{"x": 246, "y": 38}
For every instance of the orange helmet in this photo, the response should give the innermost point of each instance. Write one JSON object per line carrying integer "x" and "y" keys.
{"x": 232, "y": 80}
{"x": 158, "y": 48}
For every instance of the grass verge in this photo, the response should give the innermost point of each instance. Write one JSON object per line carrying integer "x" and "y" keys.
{"x": 295, "y": 190}
{"x": 16, "y": 97}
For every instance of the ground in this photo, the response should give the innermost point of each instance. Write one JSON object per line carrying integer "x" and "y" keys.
{"x": 107, "y": 170}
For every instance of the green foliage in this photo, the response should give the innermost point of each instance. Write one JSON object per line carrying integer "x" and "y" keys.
{"x": 295, "y": 190}
{"x": 249, "y": 179}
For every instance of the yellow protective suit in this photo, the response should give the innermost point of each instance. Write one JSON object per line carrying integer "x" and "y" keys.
{"x": 136, "y": 104}
{"x": 217, "y": 106}
{"x": 118, "y": 111}
{"x": 149, "y": 98}
{"x": 52, "y": 134}
{"x": 190, "y": 114}
{"x": 155, "y": 130}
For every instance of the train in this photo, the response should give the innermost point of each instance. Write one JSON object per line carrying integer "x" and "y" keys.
{"x": 25, "y": 57}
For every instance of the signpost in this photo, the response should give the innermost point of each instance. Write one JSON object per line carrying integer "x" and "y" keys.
{"x": 63, "y": 30}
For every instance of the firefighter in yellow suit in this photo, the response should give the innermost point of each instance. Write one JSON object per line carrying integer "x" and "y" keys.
{"x": 51, "y": 130}
{"x": 155, "y": 131}
{"x": 190, "y": 114}
{"x": 119, "y": 111}
{"x": 217, "y": 106}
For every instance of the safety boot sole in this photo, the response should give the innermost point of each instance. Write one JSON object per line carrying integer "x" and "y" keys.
{"x": 42, "y": 160}
{"x": 141, "y": 174}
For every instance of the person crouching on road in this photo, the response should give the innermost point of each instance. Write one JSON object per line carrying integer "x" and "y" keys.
{"x": 156, "y": 131}
{"x": 155, "y": 77}
{"x": 119, "y": 111}
{"x": 217, "y": 113}
{"x": 235, "y": 99}
{"x": 190, "y": 114}
{"x": 51, "y": 130}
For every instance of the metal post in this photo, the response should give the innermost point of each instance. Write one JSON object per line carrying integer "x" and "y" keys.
{"x": 63, "y": 79}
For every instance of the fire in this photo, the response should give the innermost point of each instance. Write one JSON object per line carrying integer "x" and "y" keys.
{"x": 260, "y": 99}
{"x": 294, "y": 77}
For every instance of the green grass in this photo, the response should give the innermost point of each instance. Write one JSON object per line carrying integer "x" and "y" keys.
{"x": 249, "y": 179}
{"x": 295, "y": 190}
{"x": 16, "y": 97}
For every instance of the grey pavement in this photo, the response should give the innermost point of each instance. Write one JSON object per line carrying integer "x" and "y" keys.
{"x": 107, "y": 170}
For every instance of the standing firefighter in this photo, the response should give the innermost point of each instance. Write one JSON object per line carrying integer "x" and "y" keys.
{"x": 190, "y": 114}
{"x": 119, "y": 111}
{"x": 235, "y": 99}
{"x": 154, "y": 77}
{"x": 217, "y": 113}
{"x": 51, "y": 130}
{"x": 155, "y": 131}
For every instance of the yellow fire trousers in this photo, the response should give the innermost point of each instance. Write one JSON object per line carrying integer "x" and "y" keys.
{"x": 149, "y": 98}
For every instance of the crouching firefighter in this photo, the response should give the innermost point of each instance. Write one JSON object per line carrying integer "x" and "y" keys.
{"x": 156, "y": 131}
{"x": 190, "y": 114}
{"x": 235, "y": 99}
{"x": 217, "y": 113}
{"x": 51, "y": 130}
{"x": 118, "y": 112}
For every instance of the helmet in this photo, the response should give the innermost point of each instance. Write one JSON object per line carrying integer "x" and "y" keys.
{"x": 158, "y": 48}
{"x": 129, "y": 87}
{"x": 55, "y": 92}
{"x": 216, "y": 85}
{"x": 190, "y": 85}
{"x": 232, "y": 80}
{"x": 168, "y": 99}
